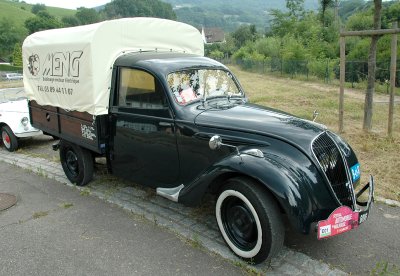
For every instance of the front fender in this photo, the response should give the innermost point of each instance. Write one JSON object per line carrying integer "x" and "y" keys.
{"x": 13, "y": 120}
{"x": 292, "y": 184}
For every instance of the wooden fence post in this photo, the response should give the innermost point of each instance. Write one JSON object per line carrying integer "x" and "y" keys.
{"x": 342, "y": 81}
{"x": 393, "y": 65}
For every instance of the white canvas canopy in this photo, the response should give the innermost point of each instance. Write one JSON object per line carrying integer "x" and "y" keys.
{"x": 71, "y": 67}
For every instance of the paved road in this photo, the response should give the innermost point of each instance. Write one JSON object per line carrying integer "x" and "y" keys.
{"x": 195, "y": 224}
{"x": 358, "y": 252}
{"x": 54, "y": 230}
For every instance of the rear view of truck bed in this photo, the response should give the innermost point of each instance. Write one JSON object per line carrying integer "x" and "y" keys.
{"x": 82, "y": 128}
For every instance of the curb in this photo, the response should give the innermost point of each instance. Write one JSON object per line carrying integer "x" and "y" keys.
{"x": 197, "y": 225}
{"x": 389, "y": 202}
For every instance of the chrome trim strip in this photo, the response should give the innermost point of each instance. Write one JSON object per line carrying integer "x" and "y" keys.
{"x": 170, "y": 193}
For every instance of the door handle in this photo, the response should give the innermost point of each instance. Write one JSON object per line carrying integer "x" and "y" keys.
{"x": 164, "y": 124}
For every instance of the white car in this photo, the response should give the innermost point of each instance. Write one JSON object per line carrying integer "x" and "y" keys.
{"x": 13, "y": 76}
{"x": 15, "y": 123}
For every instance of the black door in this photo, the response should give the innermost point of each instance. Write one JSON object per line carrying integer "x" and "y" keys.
{"x": 144, "y": 144}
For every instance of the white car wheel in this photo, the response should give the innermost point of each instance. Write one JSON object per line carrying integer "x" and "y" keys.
{"x": 9, "y": 139}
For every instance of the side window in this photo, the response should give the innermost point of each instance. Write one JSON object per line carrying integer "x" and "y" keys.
{"x": 139, "y": 92}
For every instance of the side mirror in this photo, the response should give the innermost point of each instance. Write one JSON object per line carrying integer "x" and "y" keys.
{"x": 215, "y": 142}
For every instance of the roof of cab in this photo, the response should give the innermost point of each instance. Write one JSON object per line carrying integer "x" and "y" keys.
{"x": 165, "y": 62}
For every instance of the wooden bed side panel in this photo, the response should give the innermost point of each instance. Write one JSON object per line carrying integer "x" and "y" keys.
{"x": 80, "y": 128}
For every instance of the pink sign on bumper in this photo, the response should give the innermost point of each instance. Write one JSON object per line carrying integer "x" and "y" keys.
{"x": 341, "y": 220}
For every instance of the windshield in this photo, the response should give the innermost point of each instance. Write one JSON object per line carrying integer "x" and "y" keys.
{"x": 193, "y": 84}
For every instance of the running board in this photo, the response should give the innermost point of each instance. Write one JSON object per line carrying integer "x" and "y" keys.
{"x": 170, "y": 193}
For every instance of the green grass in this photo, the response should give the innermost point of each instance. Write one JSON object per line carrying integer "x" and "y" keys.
{"x": 385, "y": 269}
{"x": 40, "y": 214}
{"x": 10, "y": 68}
{"x": 85, "y": 192}
{"x": 12, "y": 11}
{"x": 19, "y": 12}
{"x": 66, "y": 205}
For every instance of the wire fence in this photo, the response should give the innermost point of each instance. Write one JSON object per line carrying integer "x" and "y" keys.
{"x": 326, "y": 70}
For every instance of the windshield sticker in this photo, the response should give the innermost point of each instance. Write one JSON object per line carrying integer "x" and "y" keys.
{"x": 188, "y": 95}
{"x": 190, "y": 85}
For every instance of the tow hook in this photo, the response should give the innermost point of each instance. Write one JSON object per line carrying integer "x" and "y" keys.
{"x": 56, "y": 146}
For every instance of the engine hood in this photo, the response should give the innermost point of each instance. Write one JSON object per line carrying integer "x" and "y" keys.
{"x": 266, "y": 121}
{"x": 19, "y": 106}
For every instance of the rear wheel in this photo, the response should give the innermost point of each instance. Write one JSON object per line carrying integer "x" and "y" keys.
{"x": 249, "y": 220}
{"x": 77, "y": 163}
{"x": 9, "y": 139}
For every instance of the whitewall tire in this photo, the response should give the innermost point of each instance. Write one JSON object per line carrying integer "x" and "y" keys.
{"x": 249, "y": 220}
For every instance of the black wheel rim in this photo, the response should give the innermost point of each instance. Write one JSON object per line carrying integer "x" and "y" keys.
{"x": 239, "y": 223}
{"x": 72, "y": 162}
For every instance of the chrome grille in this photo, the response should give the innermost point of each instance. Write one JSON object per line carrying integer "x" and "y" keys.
{"x": 334, "y": 167}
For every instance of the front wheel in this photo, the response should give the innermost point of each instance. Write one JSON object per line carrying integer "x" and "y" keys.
{"x": 9, "y": 139}
{"x": 77, "y": 163}
{"x": 249, "y": 220}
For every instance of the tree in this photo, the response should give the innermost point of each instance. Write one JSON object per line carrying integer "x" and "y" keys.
{"x": 129, "y": 8}
{"x": 369, "y": 95}
{"x": 295, "y": 7}
{"x": 87, "y": 16}
{"x": 17, "y": 55}
{"x": 37, "y": 8}
{"x": 70, "y": 21}
{"x": 243, "y": 34}
{"x": 368, "y": 107}
{"x": 9, "y": 35}
{"x": 42, "y": 21}
{"x": 281, "y": 23}
{"x": 360, "y": 21}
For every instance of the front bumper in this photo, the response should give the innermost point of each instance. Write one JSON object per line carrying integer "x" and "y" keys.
{"x": 30, "y": 133}
{"x": 344, "y": 219}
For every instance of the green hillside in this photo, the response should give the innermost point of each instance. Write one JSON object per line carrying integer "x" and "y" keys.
{"x": 14, "y": 12}
{"x": 217, "y": 13}
{"x": 18, "y": 12}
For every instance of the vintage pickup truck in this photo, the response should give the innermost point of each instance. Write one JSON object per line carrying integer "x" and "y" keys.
{"x": 140, "y": 93}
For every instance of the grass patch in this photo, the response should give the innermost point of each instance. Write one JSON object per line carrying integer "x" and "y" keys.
{"x": 10, "y": 68}
{"x": 41, "y": 172}
{"x": 377, "y": 154}
{"x": 195, "y": 241}
{"x": 66, "y": 205}
{"x": 85, "y": 192}
{"x": 384, "y": 268}
{"x": 11, "y": 84}
{"x": 40, "y": 214}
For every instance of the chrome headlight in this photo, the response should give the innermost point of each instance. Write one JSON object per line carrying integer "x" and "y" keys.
{"x": 25, "y": 121}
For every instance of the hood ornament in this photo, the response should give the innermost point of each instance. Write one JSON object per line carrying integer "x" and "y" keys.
{"x": 315, "y": 115}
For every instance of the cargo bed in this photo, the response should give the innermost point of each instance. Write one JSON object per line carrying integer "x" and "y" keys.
{"x": 80, "y": 128}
